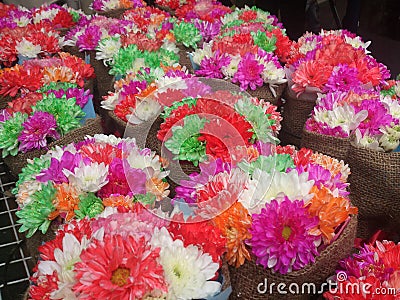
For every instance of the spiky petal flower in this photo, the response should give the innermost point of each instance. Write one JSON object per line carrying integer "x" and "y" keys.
{"x": 89, "y": 178}
{"x": 37, "y": 129}
{"x": 249, "y": 73}
{"x": 280, "y": 236}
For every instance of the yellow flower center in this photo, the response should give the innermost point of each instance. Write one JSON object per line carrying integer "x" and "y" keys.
{"x": 120, "y": 276}
{"x": 286, "y": 232}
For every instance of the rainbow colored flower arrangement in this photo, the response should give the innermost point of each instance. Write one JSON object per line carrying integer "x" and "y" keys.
{"x": 82, "y": 179}
{"x": 142, "y": 96}
{"x": 108, "y": 5}
{"x": 31, "y": 41}
{"x": 218, "y": 125}
{"x": 172, "y": 4}
{"x": 148, "y": 18}
{"x": 34, "y": 121}
{"x": 372, "y": 273}
{"x": 87, "y": 34}
{"x": 371, "y": 118}
{"x": 250, "y": 27}
{"x": 333, "y": 61}
{"x": 282, "y": 206}
{"x": 35, "y": 73}
{"x": 206, "y": 10}
{"x": 59, "y": 17}
{"x": 129, "y": 253}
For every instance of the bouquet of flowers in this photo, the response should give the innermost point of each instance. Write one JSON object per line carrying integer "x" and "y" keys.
{"x": 88, "y": 33}
{"x": 82, "y": 178}
{"x": 45, "y": 116}
{"x": 206, "y": 10}
{"x": 31, "y": 41}
{"x": 129, "y": 253}
{"x": 186, "y": 34}
{"x": 333, "y": 61}
{"x": 372, "y": 273}
{"x": 34, "y": 74}
{"x": 220, "y": 125}
{"x": 108, "y": 5}
{"x": 279, "y": 209}
{"x": 172, "y": 4}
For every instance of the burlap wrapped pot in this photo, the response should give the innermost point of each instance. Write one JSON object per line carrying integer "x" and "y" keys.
{"x": 114, "y": 13}
{"x": 247, "y": 277}
{"x": 295, "y": 112}
{"x": 74, "y": 50}
{"x": 375, "y": 186}
{"x": 165, "y": 8}
{"x": 184, "y": 59}
{"x": 330, "y": 145}
{"x": 91, "y": 127}
{"x": 4, "y": 101}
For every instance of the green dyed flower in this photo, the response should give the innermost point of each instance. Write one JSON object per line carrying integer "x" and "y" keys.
{"x": 150, "y": 75}
{"x": 9, "y": 133}
{"x": 34, "y": 215}
{"x": 89, "y": 205}
{"x": 32, "y": 169}
{"x": 233, "y": 23}
{"x": 149, "y": 198}
{"x": 187, "y": 34}
{"x": 188, "y": 100}
{"x": 168, "y": 58}
{"x": 389, "y": 92}
{"x": 184, "y": 142}
{"x": 269, "y": 164}
{"x": 66, "y": 112}
{"x": 152, "y": 59}
{"x": 75, "y": 15}
{"x": 125, "y": 59}
{"x": 263, "y": 41}
{"x": 57, "y": 86}
{"x": 260, "y": 122}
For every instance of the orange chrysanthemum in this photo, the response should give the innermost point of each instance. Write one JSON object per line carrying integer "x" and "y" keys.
{"x": 235, "y": 223}
{"x": 331, "y": 211}
{"x": 118, "y": 201}
{"x": 62, "y": 74}
{"x": 66, "y": 202}
{"x": 332, "y": 164}
{"x": 158, "y": 187}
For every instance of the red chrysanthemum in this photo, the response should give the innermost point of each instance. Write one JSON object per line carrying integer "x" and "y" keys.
{"x": 125, "y": 107}
{"x": 177, "y": 115}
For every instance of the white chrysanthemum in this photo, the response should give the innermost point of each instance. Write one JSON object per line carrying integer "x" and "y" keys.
{"x": 392, "y": 106}
{"x": 46, "y": 14}
{"x": 141, "y": 161}
{"x": 367, "y": 141}
{"x": 166, "y": 82}
{"x": 111, "y": 5}
{"x": 57, "y": 152}
{"x": 388, "y": 142}
{"x": 26, "y": 190}
{"x": 230, "y": 17}
{"x": 397, "y": 88}
{"x": 137, "y": 65}
{"x": 307, "y": 45}
{"x": 231, "y": 69}
{"x": 111, "y": 139}
{"x": 265, "y": 187}
{"x": 28, "y": 49}
{"x": 23, "y": 21}
{"x": 343, "y": 116}
{"x": 88, "y": 178}
{"x": 200, "y": 54}
{"x": 107, "y": 48}
{"x": 170, "y": 46}
{"x": 188, "y": 271}
{"x": 357, "y": 43}
{"x": 273, "y": 75}
{"x": 144, "y": 111}
{"x": 111, "y": 101}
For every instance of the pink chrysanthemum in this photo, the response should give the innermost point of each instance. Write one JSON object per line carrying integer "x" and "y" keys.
{"x": 119, "y": 268}
{"x": 37, "y": 129}
{"x": 310, "y": 74}
{"x": 343, "y": 79}
{"x": 280, "y": 236}
{"x": 249, "y": 73}
{"x": 378, "y": 116}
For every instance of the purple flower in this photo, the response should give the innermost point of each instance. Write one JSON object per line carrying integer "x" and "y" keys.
{"x": 89, "y": 39}
{"x": 54, "y": 173}
{"x": 208, "y": 30}
{"x": 378, "y": 116}
{"x": 249, "y": 73}
{"x": 211, "y": 67}
{"x": 280, "y": 236}
{"x": 37, "y": 129}
{"x": 4, "y": 115}
{"x": 331, "y": 99}
{"x": 134, "y": 87}
{"x": 343, "y": 78}
{"x": 82, "y": 96}
{"x": 97, "y": 5}
{"x": 196, "y": 88}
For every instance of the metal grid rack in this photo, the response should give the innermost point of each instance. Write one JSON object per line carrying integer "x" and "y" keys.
{"x": 15, "y": 265}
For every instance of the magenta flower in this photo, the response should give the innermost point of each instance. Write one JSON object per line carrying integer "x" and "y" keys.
{"x": 38, "y": 128}
{"x": 378, "y": 116}
{"x": 82, "y": 96}
{"x": 211, "y": 67}
{"x": 249, "y": 73}
{"x": 89, "y": 39}
{"x": 280, "y": 236}
{"x": 207, "y": 29}
{"x": 134, "y": 87}
{"x": 342, "y": 79}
